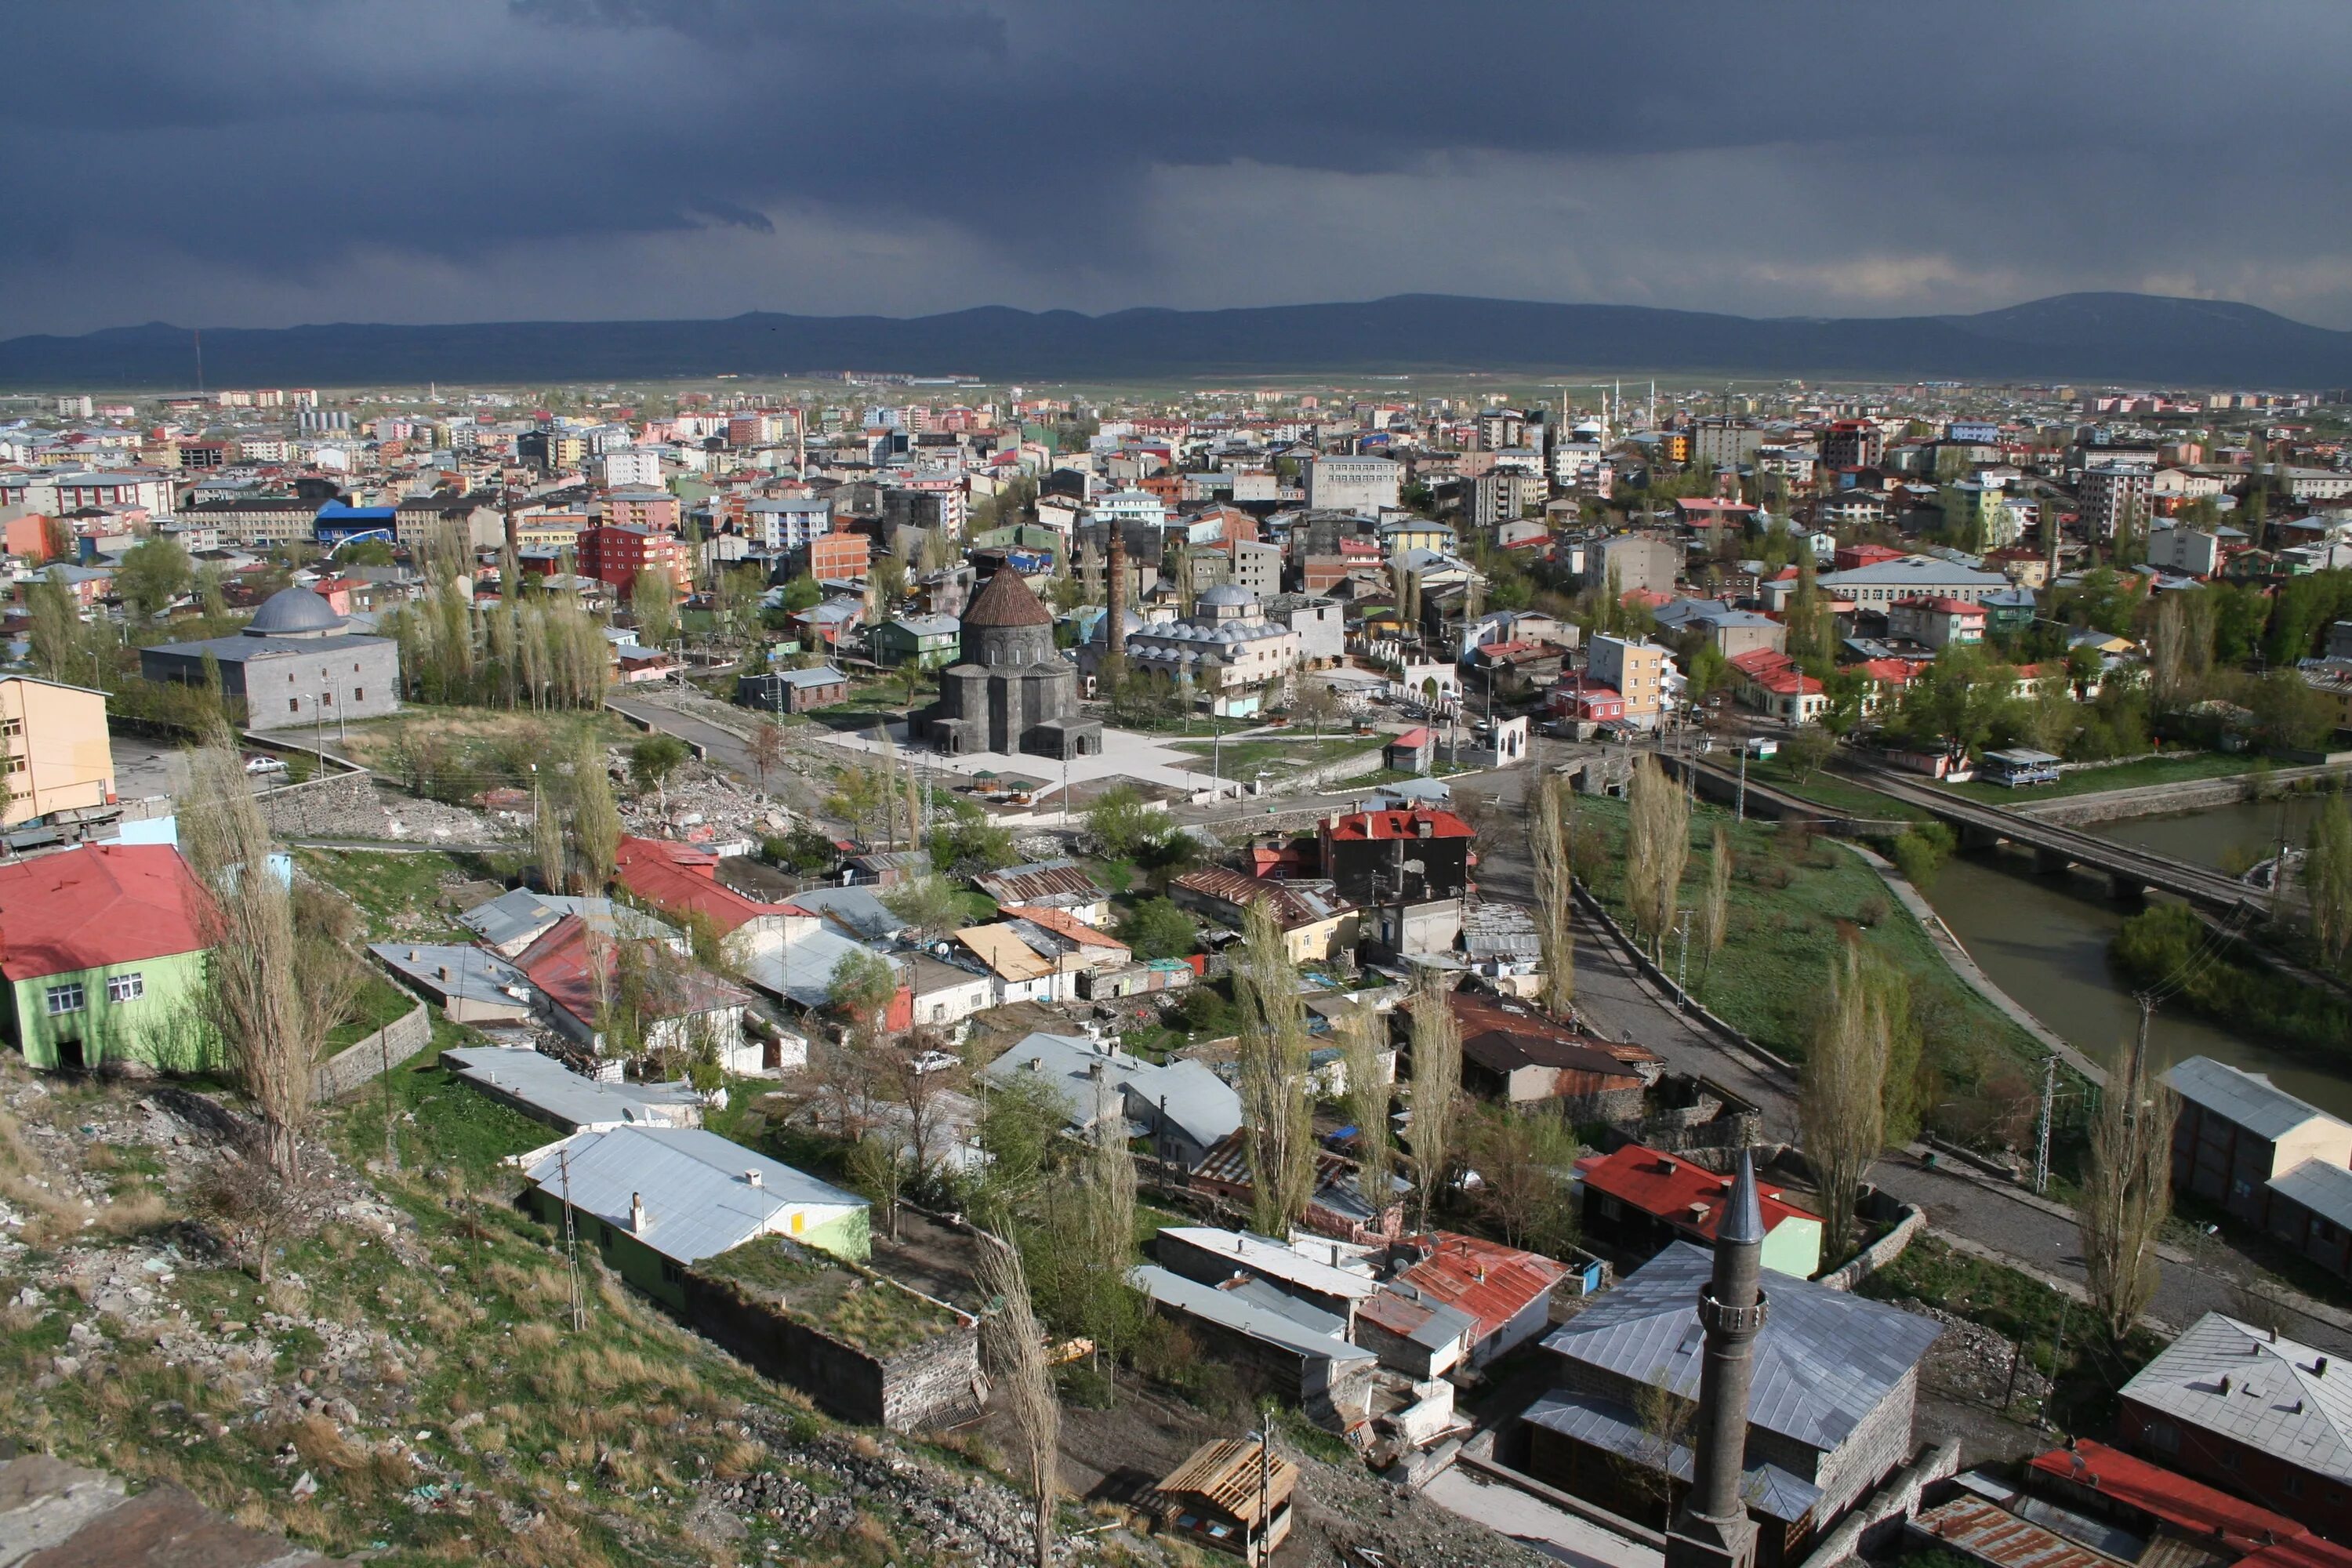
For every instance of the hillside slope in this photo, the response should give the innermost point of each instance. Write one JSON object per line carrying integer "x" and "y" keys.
{"x": 2108, "y": 337}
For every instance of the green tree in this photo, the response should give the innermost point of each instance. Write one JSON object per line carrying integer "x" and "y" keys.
{"x": 2328, "y": 878}
{"x": 1156, "y": 928}
{"x": 153, "y": 575}
{"x": 596, "y": 821}
{"x": 1121, "y": 822}
{"x": 968, "y": 842}
{"x": 652, "y": 605}
{"x": 55, "y": 630}
{"x": 654, "y": 759}
{"x": 803, "y": 593}
{"x": 861, "y": 986}
{"x": 1273, "y": 1073}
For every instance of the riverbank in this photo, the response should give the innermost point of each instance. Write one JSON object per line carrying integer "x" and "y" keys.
{"x": 1795, "y": 898}
{"x": 2253, "y": 782}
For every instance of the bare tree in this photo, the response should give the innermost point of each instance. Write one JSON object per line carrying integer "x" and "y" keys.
{"x": 878, "y": 1166}
{"x": 1841, "y": 1108}
{"x": 271, "y": 996}
{"x": 1663, "y": 1421}
{"x": 2127, "y": 1191}
{"x": 924, "y": 1078}
{"x": 1715, "y": 911}
{"x": 1274, "y": 1074}
{"x": 1657, "y": 843}
{"x": 1436, "y": 1085}
{"x": 251, "y": 1203}
{"x": 547, "y": 839}
{"x": 1555, "y": 932}
{"x": 1015, "y": 1349}
{"x": 2328, "y": 878}
{"x": 596, "y": 821}
{"x": 1368, "y": 1103}
{"x": 765, "y": 748}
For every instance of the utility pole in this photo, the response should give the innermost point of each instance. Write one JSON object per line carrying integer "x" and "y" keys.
{"x": 2042, "y": 1143}
{"x": 571, "y": 1243}
{"x": 1682, "y": 955}
{"x": 1739, "y": 806}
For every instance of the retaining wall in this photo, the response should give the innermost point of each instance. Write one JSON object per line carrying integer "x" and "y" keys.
{"x": 1689, "y": 1007}
{"x": 1875, "y": 1521}
{"x": 348, "y": 1069}
{"x": 318, "y": 807}
{"x": 2159, "y": 800}
{"x": 918, "y": 1385}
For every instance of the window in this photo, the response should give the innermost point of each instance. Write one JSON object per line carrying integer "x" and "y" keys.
{"x": 12, "y": 727}
{"x": 126, "y": 987}
{"x": 672, "y": 1274}
{"x": 67, "y": 998}
{"x": 359, "y": 693}
{"x": 603, "y": 1234}
{"x": 293, "y": 705}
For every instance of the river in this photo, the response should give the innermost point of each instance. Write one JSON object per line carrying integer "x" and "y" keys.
{"x": 2045, "y": 940}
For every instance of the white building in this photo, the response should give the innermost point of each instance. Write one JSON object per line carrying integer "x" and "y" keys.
{"x": 1912, "y": 577}
{"x": 632, "y": 467}
{"x": 1224, "y": 650}
{"x": 787, "y": 524}
{"x": 1353, "y": 484}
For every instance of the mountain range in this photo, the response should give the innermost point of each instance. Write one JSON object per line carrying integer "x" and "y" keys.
{"x": 2105, "y": 337}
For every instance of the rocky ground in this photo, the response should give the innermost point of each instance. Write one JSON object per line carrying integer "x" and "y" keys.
{"x": 407, "y": 1384}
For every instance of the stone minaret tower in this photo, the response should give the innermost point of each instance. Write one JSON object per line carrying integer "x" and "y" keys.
{"x": 1712, "y": 1530}
{"x": 1115, "y": 590}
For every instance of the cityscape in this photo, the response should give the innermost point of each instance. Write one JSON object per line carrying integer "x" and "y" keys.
{"x": 866, "y": 902}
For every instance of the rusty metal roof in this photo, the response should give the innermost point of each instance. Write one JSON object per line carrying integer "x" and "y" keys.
{"x": 1990, "y": 1533}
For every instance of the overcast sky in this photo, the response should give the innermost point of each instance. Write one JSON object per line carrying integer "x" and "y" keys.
{"x": 273, "y": 162}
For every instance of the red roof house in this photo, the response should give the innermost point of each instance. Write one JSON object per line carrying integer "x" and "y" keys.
{"x": 682, "y": 880}
{"x": 98, "y": 943}
{"x": 1640, "y": 1199}
{"x": 1507, "y": 1290}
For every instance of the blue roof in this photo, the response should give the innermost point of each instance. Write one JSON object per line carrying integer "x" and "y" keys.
{"x": 338, "y": 511}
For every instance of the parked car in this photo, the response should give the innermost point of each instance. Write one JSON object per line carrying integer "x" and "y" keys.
{"x": 261, "y": 764}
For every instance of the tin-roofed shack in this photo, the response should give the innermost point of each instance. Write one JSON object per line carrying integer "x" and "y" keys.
{"x": 864, "y": 1347}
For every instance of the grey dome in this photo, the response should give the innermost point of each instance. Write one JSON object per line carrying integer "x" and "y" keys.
{"x": 1229, "y": 594}
{"x": 293, "y": 612}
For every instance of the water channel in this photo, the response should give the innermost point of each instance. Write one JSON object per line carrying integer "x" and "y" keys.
{"x": 2044, "y": 940}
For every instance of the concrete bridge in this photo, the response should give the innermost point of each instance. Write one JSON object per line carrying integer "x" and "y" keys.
{"x": 2132, "y": 870}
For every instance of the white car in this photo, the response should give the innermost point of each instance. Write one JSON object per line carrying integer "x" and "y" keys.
{"x": 264, "y": 766}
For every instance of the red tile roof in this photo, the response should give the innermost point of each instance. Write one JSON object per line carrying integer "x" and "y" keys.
{"x": 678, "y": 877}
{"x": 2273, "y": 1540}
{"x": 1359, "y": 826}
{"x": 1063, "y": 924}
{"x": 1671, "y": 1189}
{"x": 100, "y": 904}
{"x": 1492, "y": 1282}
{"x": 1893, "y": 671}
{"x": 559, "y": 964}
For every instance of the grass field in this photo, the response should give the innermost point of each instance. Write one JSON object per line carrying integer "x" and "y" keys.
{"x": 1794, "y": 899}
{"x": 1239, "y": 759}
{"x": 1832, "y": 793}
{"x": 456, "y": 752}
{"x": 2139, "y": 774}
{"x": 395, "y": 891}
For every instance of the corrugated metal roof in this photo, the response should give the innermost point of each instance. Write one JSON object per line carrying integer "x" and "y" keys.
{"x": 1431, "y": 1324}
{"x": 2196, "y": 1508}
{"x": 802, "y": 970}
{"x": 1256, "y": 1254}
{"x": 1054, "y": 884}
{"x": 1492, "y": 1282}
{"x": 2248, "y": 1098}
{"x": 1615, "y": 1428}
{"x": 2253, "y": 1387}
{"x": 2325, "y": 1189}
{"x": 1201, "y": 1105}
{"x": 697, "y": 1200}
{"x": 1986, "y": 1531}
{"x": 1825, "y": 1360}
{"x": 570, "y": 1100}
{"x": 1233, "y": 1310}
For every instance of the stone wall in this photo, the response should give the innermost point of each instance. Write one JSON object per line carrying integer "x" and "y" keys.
{"x": 939, "y": 1376}
{"x": 317, "y": 808}
{"x": 1881, "y": 1516}
{"x": 1909, "y": 1221}
{"x": 344, "y": 1072}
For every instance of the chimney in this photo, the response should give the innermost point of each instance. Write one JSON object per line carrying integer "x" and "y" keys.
{"x": 442, "y": 971}
{"x": 2319, "y": 1367}
{"x": 637, "y": 1213}
{"x": 2225, "y": 1384}
{"x": 752, "y": 1176}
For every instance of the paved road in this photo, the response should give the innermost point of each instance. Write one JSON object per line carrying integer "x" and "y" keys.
{"x": 1978, "y": 1214}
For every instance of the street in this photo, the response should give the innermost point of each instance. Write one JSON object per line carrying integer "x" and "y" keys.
{"x": 1974, "y": 1210}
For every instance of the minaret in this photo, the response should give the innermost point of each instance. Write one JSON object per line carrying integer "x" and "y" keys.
{"x": 1115, "y": 594}
{"x": 1712, "y": 1529}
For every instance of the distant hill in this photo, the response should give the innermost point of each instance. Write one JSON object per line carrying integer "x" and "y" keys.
{"x": 2133, "y": 338}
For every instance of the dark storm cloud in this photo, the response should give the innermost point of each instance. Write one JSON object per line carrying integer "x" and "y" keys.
{"x": 445, "y": 159}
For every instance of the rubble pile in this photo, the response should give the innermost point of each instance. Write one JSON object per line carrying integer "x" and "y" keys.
{"x": 1972, "y": 1362}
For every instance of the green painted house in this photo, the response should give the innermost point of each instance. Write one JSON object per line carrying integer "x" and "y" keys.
{"x": 103, "y": 950}
{"x": 928, "y": 642}
{"x": 655, "y": 1201}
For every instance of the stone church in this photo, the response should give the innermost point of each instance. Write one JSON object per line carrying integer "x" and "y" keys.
{"x": 1013, "y": 691}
